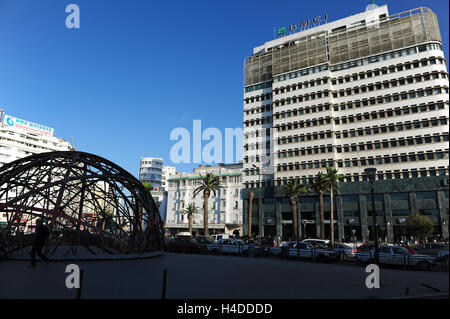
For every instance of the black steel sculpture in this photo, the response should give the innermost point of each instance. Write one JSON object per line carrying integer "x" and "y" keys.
{"x": 83, "y": 198}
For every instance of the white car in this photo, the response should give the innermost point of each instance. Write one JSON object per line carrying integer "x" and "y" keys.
{"x": 232, "y": 246}
{"x": 396, "y": 255}
{"x": 306, "y": 250}
{"x": 219, "y": 236}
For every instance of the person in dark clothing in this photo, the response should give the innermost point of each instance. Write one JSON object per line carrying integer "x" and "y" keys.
{"x": 42, "y": 234}
{"x": 3, "y": 252}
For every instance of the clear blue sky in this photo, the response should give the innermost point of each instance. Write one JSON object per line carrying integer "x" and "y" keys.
{"x": 137, "y": 69}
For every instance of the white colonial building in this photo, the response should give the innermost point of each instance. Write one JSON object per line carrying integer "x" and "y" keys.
{"x": 225, "y": 208}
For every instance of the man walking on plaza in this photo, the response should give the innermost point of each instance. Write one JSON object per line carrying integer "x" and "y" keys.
{"x": 42, "y": 234}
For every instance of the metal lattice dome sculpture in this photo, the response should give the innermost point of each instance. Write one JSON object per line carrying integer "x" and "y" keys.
{"x": 84, "y": 199}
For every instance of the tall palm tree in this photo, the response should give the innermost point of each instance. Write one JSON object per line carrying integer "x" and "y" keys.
{"x": 292, "y": 190}
{"x": 190, "y": 211}
{"x": 320, "y": 184}
{"x": 251, "y": 195}
{"x": 209, "y": 183}
{"x": 333, "y": 179}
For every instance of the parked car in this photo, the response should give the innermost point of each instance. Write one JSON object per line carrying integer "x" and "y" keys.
{"x": 430, "y": 248}
{"x": 204, "y": 240}
{"x": 316, "y": 241}
{"x": 443, "y": 257}
{"x": 269, "y": 242}
{"x": 307, "y": 250}
{"x": 186, "y": 244}
{"x": 233, "y": 246}
{"x": 342, "y": 248}
{"x": 396, "y": 255}
{"x": 217, "y": 237}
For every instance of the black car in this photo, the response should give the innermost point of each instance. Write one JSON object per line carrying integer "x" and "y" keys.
{"x": 204, "y": 240}
{"x": 186, "y": 245}
{"x": 267, "y": 242}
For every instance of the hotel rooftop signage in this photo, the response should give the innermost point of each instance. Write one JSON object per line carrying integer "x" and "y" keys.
{"x": 28, "y": 126}
{"x": 303, "y": 25}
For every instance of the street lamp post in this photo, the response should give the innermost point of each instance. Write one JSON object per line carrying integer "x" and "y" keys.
{"x": 370, "y": 173}
{"x": 260, "y": 211}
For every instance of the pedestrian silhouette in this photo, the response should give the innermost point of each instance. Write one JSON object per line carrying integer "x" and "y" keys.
{"x": 42, "y": 234}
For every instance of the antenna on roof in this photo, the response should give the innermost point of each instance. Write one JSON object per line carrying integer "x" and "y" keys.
{"x": 371, "y": 6}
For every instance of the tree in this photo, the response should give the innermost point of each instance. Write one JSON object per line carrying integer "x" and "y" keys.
{"x": 148, "y": 186}
{"x": 333, "y": 179}
{"x": 320, "y": 184}
{"x": 419, "y": 226}
{"x": 190, "y": 211}
{"x": 209, "y": 183}
{"x": 292, "y": 190}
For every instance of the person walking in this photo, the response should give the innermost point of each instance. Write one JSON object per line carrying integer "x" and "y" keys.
{"x": 3, "y": 251}
{"x": 42, "y": 233}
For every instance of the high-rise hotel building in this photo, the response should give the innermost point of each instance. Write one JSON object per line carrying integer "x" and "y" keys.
{"x": 369, "y": 90}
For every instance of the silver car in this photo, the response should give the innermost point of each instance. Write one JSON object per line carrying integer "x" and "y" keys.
{"x": 305, "y": 250}
{"x": 396, "y": 255}
{"x": 344, "y": 249}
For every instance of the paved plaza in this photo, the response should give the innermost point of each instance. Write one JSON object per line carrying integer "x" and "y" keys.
{"x": 209, "y": 276}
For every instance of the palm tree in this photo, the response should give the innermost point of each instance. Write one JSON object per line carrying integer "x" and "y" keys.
{"x": 251, "y": 195}
{"x": 190, "y": 211}
{"x": 292, "y": 190}
{"x": 209, "y": 183}
{"x": 148, "y": 186}
{"x": 320, "y": 184}
{"x": 333, "y": 179}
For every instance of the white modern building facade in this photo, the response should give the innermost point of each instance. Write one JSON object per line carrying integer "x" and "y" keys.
{"x": 21, "y": 138}
{"x": 151, "y": 171}
{"x": 154, "y": 172}
{"x": 225, "y": 207}
{"x": 369, "y": 90}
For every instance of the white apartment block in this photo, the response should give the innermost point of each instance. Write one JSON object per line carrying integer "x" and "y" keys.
{"x": 154, "y": 172}
{"x": 17, "y": 141}
{"x": 369, "y": 90}
{"x": 167, "y": 172}
{"x": 21, "y": 138}
{"x": 151, "y": 169}
{"x": 225, "y": 208}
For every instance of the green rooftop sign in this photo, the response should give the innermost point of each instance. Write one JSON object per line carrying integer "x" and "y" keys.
{"x": 282, "y": 31}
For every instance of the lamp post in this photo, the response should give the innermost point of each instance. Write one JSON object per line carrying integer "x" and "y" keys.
{"x": 370, "y": 173}
{"x": 260, "y": 211}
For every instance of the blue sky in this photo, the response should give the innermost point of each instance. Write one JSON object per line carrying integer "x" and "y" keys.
{"x": 137, "y": 69}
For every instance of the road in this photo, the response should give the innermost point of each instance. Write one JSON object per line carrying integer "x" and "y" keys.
{"x": 210, "y": 276}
